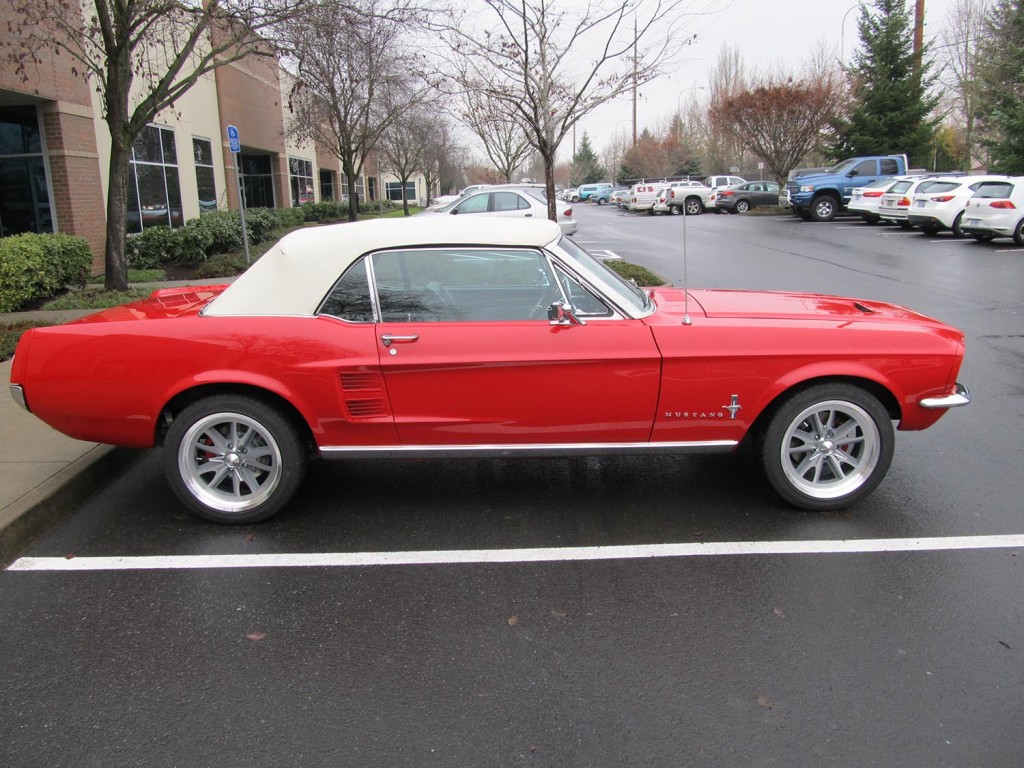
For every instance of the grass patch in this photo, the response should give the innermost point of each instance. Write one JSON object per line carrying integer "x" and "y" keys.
{"x": 11, "y": 332}
{"x": 136, "y": 276}
{"x": 95, "y": 298}
{"x": 396, "y": 213}
{"x": 640, "y": 275}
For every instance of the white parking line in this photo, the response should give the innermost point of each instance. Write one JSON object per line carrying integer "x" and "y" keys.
{"x": 535, "y": 555}
{"x": 1009, "y": 250}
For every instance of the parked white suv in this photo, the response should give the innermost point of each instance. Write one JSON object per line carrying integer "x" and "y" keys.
{"x": 996, "y": 210}
{"x": 941, "y": 205}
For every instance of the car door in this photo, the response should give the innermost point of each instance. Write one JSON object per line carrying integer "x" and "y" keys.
{"x": 470, "y": 358}
{"x": 510, "y": 205}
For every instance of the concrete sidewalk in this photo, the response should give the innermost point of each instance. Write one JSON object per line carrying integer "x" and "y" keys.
{"x": 46, "y": 474}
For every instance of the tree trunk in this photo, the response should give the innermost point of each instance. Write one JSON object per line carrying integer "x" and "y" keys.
{"x": 549, "y": 182}
{"x": 115, "y": 255}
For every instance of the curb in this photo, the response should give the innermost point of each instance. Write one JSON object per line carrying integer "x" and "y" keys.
{"x": 54, "y": 500}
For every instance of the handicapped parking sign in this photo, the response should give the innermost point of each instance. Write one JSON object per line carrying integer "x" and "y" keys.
{"x": 233, "y": 142}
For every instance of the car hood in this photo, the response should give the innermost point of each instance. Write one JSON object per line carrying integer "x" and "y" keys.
{"x": 162, "y": 304}
{"x": 783, "y": 306}
{"x": 813, "y": 178}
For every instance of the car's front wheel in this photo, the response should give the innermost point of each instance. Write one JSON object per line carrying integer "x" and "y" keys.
{"x": 828, "y": 446}
{"x": 233, "y": 459}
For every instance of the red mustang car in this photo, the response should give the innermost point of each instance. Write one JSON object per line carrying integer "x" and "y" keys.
{"x": 483, "y": 337}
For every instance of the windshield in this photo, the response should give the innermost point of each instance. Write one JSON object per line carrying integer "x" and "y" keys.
{"x": 843, "y": 167}
{"x": 623, "y": 292}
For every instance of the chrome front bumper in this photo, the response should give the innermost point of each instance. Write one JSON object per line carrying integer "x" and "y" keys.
{"x": 19, "y": 395}
{"x": 959, "y": 397}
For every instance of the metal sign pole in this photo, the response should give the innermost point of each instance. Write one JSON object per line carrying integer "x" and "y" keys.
{"x": 235, "y": 145}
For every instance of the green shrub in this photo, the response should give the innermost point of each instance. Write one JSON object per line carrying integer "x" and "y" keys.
{"x": 37, "y": 266}
{"x": 289, "y": 218}
{"x": 640, "y": 275}
{"x": 220, "y": 230}
{"x": 155, "y": 246}
{"x": 259, "y": 223}
{"x": 324, "y": 211}
{"x": 222, "y": 265}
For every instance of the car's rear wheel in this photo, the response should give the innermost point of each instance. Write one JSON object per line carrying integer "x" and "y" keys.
{"x": 929, "y": 229}
{"x": 827, "y": 447}
{"x": 982, "y": 238}
{"x": 742, "y": 206}
{"x": 694, "y": 207}
{"x": 1018, "y": 233}
{"x": 233, "y": 459}
{"x": 601, "y": 201}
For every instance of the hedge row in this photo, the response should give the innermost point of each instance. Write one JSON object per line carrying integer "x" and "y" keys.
{"x": 37, "y": 266}
{"x": 221, "y": 232}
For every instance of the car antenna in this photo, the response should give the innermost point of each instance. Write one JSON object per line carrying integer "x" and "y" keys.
{"x": 686, "y": 285}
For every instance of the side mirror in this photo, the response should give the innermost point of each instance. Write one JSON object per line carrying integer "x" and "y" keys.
{"x": 454, "y": 211}
{"x": 561, "y": 313}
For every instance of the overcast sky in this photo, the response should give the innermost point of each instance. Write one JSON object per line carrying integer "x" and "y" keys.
{"x": 766, "y": 32}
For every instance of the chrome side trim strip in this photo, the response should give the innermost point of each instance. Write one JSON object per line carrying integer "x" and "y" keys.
{"x": 548, "y": 450}
{"x": 960, "y": 397}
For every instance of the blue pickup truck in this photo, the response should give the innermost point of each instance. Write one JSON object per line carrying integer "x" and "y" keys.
{"x": 820, "y": 196}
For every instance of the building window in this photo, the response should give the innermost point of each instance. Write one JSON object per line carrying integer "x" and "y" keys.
{"x": 326, "y": 185}
{"x": 393, "y": 190}
{"x": 202, "y": 151}
{"x": 301, "y": 174}
{"x": 154, "y": 193}
{"x": 24, "y": 196}
{"x": 257, "y": 181}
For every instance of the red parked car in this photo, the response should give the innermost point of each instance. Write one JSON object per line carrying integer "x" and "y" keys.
{"x": 469, "y": 337}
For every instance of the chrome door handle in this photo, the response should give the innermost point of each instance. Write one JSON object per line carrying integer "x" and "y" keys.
{"x": 388, "y": 339}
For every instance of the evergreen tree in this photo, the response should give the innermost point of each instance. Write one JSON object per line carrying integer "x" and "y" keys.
{"x": 1001, "y": 80}
{"x": 890, "y": 110}
{"x": 586, "y": 168}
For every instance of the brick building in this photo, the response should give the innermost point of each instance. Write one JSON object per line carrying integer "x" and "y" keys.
{"x": 55, "y": 149}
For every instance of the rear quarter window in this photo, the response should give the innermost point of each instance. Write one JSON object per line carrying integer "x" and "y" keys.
{"x": 994, "y": 189}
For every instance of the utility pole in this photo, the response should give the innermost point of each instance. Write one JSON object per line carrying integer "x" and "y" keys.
{"x": 918, "y": 34}
{"x": 634, "y": 81}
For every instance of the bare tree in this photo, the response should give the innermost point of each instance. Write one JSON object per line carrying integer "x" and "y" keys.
{"x": 141, "y": 56}
{"x": 402, "y": 148}
{"x": 727, "y": 79}
{"x": 355, "y": 77}
{"x": 439, "y": 154}
{"x": 781, "y": 120}
{"x": 502, "y": 135}
{"x": 530, "y": 62}
{"x": 958, "y": 56}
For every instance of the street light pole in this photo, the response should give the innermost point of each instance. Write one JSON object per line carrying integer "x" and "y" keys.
{"x": 842, "y": 31}
{"x": 679, "y": 111}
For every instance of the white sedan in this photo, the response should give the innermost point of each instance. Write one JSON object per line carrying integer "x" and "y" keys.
{"x": 526, "y": 202}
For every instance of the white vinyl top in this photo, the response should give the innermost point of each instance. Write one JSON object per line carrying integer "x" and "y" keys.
{"x": 293, "y": 276}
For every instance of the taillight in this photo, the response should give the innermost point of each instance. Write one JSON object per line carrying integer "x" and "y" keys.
{"x": 904, "y": 203}
{"x": 941, "y": 199}
{"x": 567, "y": 212}
{"x": 874, "y": 194}
{"x": 728, "y": 193}
{"x": 1005, "y": 205}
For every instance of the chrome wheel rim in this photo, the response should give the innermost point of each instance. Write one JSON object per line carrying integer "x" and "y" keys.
{"x": 830, "y": 449}
{"x": 229, "y": 462}
{"x": 692, "y": 207}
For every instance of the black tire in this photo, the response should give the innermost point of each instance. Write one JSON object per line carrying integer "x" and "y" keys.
{"x": 904, "y": 225}
{"x": 233, "y": 459}
{"x": 929, "y": 229}
{"x": 742, "y": 206}
{"x": 601, "y": 201}
{"x": 957, "y": 231}
{"x": 827, "y": 447}
{"x": 1018, "y": 233}
{"x": 694, "y": 206}
{"x": 675, "y": 210}
{"x": 982, "y": 238}
{"x": 870, "y": 218}
{"x": 805, "y": 215}
{"x": 824, "y": 208}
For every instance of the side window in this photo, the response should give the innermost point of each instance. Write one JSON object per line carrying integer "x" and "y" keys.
{"x": 585, "y": 302}
{"x": 508, "y": 201}
{"x": 463, "y": 284}
{"x": 865, "y": 168}
{"x": 889, "y": 167}
{"x": 474, "y": 204}
{"x": 349, "y": 299}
